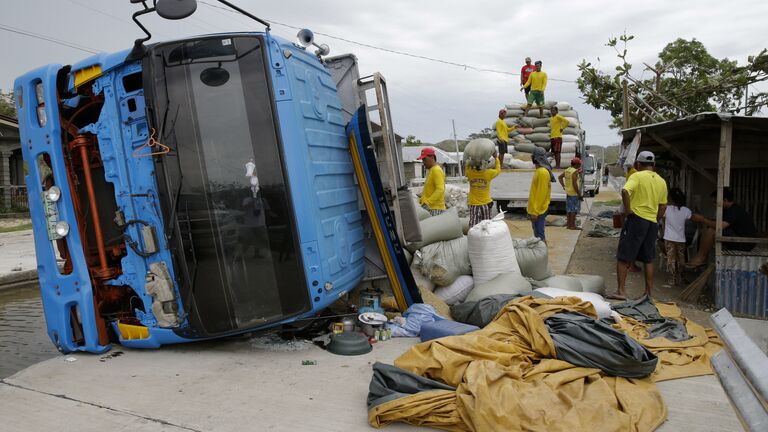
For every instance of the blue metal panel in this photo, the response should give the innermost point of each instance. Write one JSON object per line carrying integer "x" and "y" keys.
{"x": 320, "y": 171}
{"x": 59, "y": 292}
{"x": 740, "y": 287}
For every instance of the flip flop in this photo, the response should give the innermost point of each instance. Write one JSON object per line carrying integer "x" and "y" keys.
{"x": 616, "y": 297}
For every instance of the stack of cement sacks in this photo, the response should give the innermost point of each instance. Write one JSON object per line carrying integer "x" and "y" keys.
{"x": 533, "y": 131}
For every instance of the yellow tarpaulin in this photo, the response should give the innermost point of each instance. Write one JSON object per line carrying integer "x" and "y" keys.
{"x": 507, "y": 378}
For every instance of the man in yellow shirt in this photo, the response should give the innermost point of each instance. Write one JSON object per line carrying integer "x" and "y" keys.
{"x": 557, "y": 125}
{"x": 569, "y": 180}
{"x": 502, "y": 134}
{"x": 539, "y": 196}
{"x": 433, "y": 195}
{"x": 479, "y": 200}
{"x": 537, "y": 82}
{"x": 645, "y": 200}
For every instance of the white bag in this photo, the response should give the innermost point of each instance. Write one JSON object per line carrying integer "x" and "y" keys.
{"x": 602, "y": 307}
{"x": 567, "y": 283}
{"x": 456, "y": 292}
{"x": 479, "y": 150}
{"x": 505, "y": 283}
{"x": 591, "y": 283}
{"x": 563, "y": 106}
{"x": 491, "y": 252}
{"x": 533, "y": 258}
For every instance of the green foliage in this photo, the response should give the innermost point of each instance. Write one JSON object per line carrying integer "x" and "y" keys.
{"x": 411, "y": 141}
{"x": 485, "y": 133}
{"x": 7, "y": 104}
{"x": 449, "y": 146}
{"x": 686, "y": 79}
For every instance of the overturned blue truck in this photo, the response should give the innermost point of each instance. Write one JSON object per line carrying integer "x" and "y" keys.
{"x": 206, "y": 187}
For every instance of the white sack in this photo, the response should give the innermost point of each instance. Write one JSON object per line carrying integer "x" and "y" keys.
{"x": 443, "y": 262}
{"x": 559, "y": 281}
{"x": 591, "y": 283}
{"x": 602, "y": 307}
{"x": 490, "y": 250}
{"x": 504, "y": 283}
{"x": 456, "y": 292}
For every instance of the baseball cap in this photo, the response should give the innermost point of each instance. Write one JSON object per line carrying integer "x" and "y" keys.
{"x": 575, "y": 161}
{"x": 426, "y": 151}
{"x": 646, "y": 157}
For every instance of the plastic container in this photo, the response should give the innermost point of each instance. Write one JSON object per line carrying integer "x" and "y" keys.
{"x": 442, "y": 328}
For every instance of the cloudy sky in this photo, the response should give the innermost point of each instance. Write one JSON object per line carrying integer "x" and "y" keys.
{"x": 425, "y": 95}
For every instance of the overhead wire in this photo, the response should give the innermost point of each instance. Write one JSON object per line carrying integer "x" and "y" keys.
{"x": 54, "y": 40}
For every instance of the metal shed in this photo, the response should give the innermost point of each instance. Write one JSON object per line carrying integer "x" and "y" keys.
{"x": 707, "y": 152}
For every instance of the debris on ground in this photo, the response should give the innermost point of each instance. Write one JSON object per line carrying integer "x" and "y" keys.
{"x": 600, "y": 230}
{"x": 275, "y": 343}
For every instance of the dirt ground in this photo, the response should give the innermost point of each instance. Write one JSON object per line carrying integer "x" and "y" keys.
{"x": 595, "y": 255}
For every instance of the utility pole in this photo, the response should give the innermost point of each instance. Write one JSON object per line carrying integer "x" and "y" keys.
{"x": 456, "y": 143}
{"x": 625, "y": 105}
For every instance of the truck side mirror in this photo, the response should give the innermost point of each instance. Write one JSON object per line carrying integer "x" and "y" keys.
{"x": 175, "y": 9}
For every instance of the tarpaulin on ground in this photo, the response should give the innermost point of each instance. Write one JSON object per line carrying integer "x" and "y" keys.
{"x": 506, "y": 377}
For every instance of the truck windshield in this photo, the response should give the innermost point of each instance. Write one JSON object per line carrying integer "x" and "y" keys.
{"x": 589, "y": 164}
{"x": 224, "y": 189}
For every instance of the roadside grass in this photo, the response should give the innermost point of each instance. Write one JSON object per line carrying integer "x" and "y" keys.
{"x": 611, "y": 202}
{"x": 22, "y": 227}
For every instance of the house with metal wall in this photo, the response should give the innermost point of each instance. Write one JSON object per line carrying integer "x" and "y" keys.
{"x": 706, "y": 152}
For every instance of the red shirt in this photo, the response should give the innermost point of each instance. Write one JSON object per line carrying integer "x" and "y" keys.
{"x": 525, "y": 71}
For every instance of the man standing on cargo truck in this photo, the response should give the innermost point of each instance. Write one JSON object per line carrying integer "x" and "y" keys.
{"x": 537, "y": 82}
{"x": 539, "y": 196}
{"x": 645, "y": 200}
{"x": 557, "y": 125}
{"x": 502, "y": 134}
{"x": 526, "y": 70}
{"x": 433, "y": 195}
{"x": 569, "y": 180}
{"x": 479, "y": 199}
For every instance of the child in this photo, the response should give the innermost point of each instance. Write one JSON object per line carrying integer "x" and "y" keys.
{"x": 479, "y": 199}
{"x": 674, "y": 235}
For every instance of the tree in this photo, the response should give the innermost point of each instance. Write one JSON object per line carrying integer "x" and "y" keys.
{"x": 485, "y": 133}
{"x": 685, "y": 80}
{"x": 412, "y": 141}
{"x": 7, "y": 104}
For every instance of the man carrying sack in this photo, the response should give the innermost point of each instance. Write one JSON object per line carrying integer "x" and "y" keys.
{"x": 433, "y": 196}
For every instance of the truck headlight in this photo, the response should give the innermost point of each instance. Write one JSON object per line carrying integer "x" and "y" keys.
{"x": 53, "y": 194}
{"x": 61, "y": 228}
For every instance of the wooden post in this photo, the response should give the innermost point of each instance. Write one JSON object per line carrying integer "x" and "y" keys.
{"x": 723, "y": 180}
{"x": 625, "y": 105}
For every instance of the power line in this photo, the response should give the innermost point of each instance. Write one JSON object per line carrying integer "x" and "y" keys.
{"x": 49, "y": 39}
{"x": 392, "y": 51}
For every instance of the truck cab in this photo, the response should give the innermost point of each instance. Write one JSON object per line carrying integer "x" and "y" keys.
{"x": 592, "y": 175}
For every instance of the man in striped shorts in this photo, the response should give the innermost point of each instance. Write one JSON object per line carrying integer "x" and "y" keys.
{"x": 479, "y": 200}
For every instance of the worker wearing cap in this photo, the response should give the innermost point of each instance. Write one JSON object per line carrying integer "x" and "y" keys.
{"x": 525, "y": 71}
{"x": 557, "y": 124}
{"x": 502, "y": 134}
{"x": 539, "y": 195}
{"x": 433, "y": 195}
{"x": 645, "y": 200}
{"x": 569, "y": 180}
{"x": 479, "y": 199}
{"x": 537, "y": 82}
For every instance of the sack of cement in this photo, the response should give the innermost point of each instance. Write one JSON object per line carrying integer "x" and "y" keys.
{"x": 442, "y": 262}
{"x": 422, "y": 282}
{"x": 559, "y": 281}
{"x": 602, "y": 307}
{"x": 568, "y": 113}
{"x": 525, "y": 130}
{"x": 589, "y": 283}
{"x": 545, "y": 145}
{"x": 563, "y": 106}
{"x": 514, "y": 106}
{"x": 527, "y": 121}
{"x": 568, "y": 147}
{"x": 538, "y": 136}
{"x": 565, "y": 160}
{"x": 443, "y": 227}
{"x": 514, "y": 113}
{"x": 573, "y": 122}
{"x": 420, "y": 212}
{"x": 456, "y": 197}
{"x": 510, "y": 121}
{"x": 528, "y": 147}
{"x": 542, "y": 129}
{"x": 479, "y": 150}
{"x": 571, "y": 131}
{"x": 503, "y": 283}
{"x": 533, "y": 258}
{"x": 520, "y": 164}
{"x": 490, "y": 249}
{"x": 571, "y": 138}
{"x": 457, "y": 291}
{"x": 540, "y": 122}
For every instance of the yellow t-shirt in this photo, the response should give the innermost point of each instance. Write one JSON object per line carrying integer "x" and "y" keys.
{"x": 502, "y": 130}
{"x": 631, "y": 171}
{"x": 647, "y": 190}
{"x": 538, "y": 199}
{"x": 556, "y": 123}
{"x": 568, "y": 180}
{"x": 434, "y": 189}
{"x": 537, "y": 81}
{"x": 480, "y": 184}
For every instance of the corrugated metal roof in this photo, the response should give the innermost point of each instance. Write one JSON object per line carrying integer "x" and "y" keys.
{"x": 411, "y": 154}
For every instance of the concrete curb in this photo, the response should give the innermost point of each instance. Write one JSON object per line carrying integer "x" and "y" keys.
{"x": 18, "y": 279}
